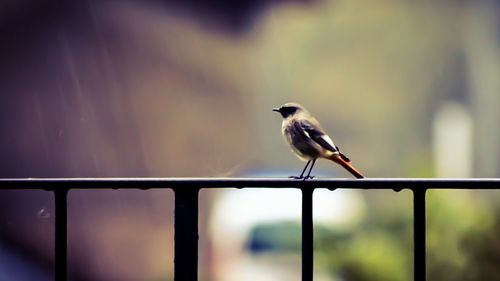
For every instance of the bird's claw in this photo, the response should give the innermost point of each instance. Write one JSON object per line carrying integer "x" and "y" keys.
{"x": 301, "y": 178}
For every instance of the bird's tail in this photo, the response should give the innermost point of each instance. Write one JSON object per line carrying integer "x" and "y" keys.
{"x": 339, "y": 160}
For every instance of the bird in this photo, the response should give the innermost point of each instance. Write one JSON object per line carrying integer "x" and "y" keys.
{"x": 309, "y": 141}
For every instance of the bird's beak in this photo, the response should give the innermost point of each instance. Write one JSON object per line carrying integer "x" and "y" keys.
{"x": 277, "y": 110}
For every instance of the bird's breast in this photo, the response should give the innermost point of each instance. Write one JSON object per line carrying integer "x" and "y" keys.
{"x": 299, "y": 141}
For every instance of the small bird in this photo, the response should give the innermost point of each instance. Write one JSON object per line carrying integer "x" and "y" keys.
{"x": 308, "y": 140}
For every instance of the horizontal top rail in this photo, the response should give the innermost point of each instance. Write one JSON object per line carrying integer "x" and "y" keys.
{"x": 197, "y": 183}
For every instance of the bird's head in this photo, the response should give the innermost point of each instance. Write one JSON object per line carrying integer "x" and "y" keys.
{"x": 289, "y": 109}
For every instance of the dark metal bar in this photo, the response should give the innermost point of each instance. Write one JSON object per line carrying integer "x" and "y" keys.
{"x": 197, "y": 183}
{"x": 186, "y": 235}
{"x": 61, "y": 238}
{"x": 307, "y": 234}
{"x": 419, "y": 268}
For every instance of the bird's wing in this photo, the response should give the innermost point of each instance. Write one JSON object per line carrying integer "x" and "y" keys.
{"x": 319, "y": 136}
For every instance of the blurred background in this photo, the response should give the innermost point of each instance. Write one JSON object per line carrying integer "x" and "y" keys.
{"x": 173, "y": 88}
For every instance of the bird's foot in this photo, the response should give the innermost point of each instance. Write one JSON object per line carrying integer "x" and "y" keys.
{"x": 308, "y": 177}
{"x": 296, "y": 177}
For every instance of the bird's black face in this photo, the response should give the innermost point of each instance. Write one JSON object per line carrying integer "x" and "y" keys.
{"x": 287, "y": 110}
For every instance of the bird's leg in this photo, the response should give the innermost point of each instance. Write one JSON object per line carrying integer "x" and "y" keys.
{"x": 310, "y": 169}
{"x": 301, "y": 174}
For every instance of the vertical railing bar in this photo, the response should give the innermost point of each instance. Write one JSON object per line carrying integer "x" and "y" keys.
{"x": 307, "y": 234}
{"x": 61, "y": 234}
{"x": 419, "y": 230}
{"x": 186, "y": 234}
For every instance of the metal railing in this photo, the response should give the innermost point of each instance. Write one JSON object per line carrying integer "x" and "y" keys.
{"x": 186, "y": 209}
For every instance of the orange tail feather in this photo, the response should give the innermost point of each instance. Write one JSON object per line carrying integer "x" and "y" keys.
{"x": 335, "y": 158}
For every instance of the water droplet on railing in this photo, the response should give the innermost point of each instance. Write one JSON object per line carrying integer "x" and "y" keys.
{"x": 43, "y": 214}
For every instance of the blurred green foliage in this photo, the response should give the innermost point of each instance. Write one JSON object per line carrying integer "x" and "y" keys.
{"x": 463, "y": 241}
{"x": 379, "y": 247}
{"x": 463, "y": 235}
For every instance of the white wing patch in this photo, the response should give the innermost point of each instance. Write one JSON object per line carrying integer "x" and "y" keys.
{"x": 329, "y": 141}
{"x": 307, "y": 134}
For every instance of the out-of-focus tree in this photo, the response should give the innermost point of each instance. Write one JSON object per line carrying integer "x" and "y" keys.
{"x": 462, "y": 239}
{"x": 378, "y": 247}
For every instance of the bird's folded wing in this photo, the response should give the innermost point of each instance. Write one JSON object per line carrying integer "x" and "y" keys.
{"x": 317, "y": 135}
